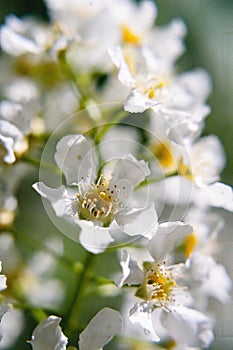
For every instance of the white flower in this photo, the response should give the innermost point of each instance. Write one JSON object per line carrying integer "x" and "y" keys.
{"x": 3, "y": 309}
{"x": 164, "y": 304}
{"x": 166, "y": 237}
{"x": 10, "y": 137}
{"x": 99, "y": 205}
{"x": 207, "y": 279}
{"x": 48, "y": 335}
{"x": 206, "y": 228}
{"x": 215, "y": 195}
{"x": 154, "y": 85}
{"x": 188, "y": 327}
{"x": 100, "y": 330}
{"x": 119, "y": 141}
{"x": 11, "y": 327}
{"x": 134, "y": 21}
{"x": 159, "y": 289}
{"x": 205, "y": 160}
{"x": 22, "y": 36}
{"x": 2, "y": 279}
{"x": 20, "y": 104}
{"x": 166, "y": 41}
{"x": 165, "y": 153}
{"x": 181, "y": 191}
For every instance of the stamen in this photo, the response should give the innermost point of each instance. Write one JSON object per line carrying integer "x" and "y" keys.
{"x": 98, "y": 202}
{"x": 160, "y": 284}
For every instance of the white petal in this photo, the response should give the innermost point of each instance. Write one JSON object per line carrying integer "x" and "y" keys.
{"x": 48, "y": 335}
{"x": 3, "y": 309}
{"x": 219, "y": 284}
{"x": 11, "y": 327}
{"x": 138, "y": 103}
{"x": 141, "y": 314}
{"x": 217, "y": 195}
{"x": 16, "y": 44}
{"x": 10, "y": 130}
{"x": 8, "y": 144}
{"x": 75, "y": 157}
{"x": 168, "y": 235}
{"x": 100, "y": 330}
{"x": 207, "y": 160}
{"x": 94, "y": 238}
{"x": 188, "y": 326}
{"x": 168, "y": 40}
{"x": 141, "y": 222}
{"x": 2, "y": 282}
{"x": 118, "y": 142}
{"x": 198, "y": 82}
{"x": 124, "y": 75}
{"x": 210, "y": 277}
{"x": 131, "y": 273}
{"x": 178, "y": 190}
{"x": 58, "y": 198}
{"x": 130, "y": 169}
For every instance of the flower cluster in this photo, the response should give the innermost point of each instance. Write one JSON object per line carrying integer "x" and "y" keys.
{"x": 94, "y": 99}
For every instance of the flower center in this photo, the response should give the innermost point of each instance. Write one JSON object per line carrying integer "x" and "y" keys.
{"x": 160, "y": 283}
{"x": 98, "y": 203}
{"x": 163, "y": 152}
{"x": 129, "y": 37}
{"x": 155, "y": 87}
{"x": 184, "y": 170}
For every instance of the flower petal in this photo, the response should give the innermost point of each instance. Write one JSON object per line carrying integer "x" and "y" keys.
{"x": 130, "y": 169}
{"x": 9, "y": 135}
{"x": 168, "y": 235}
{"x": 141, "y": 221}
{"x": 8, "y": 144}
{"x": 197, "y": 82}
{"x": 94, "y": 238}
{"x": 210, "y": 278}
{"x": 2, "y": 282}
{"x": 188, "y": 326}
{"x": 75, "y": 157}
{"x": 124, "y": 75}
{"x": 138, "y": 103}
{"x": 48, "y": 335}
{"x": 215, "y": 195}
{"x": 141, "y": 314}
{"x": 100, "y": 330}
{"x": 168, "y": 40}
{"x": 16, "y": 44}
{"x": 3, "y": 309}
{"x": 131, "y": 273}
{"x": 58, "y": 198}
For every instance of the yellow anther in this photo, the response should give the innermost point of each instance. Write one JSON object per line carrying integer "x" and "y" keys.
{"x": 184, "y": 170}
{"x": 189, "y": 243}
{"x": 129, "y": 37}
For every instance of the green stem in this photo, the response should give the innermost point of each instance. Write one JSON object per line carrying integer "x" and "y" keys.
{"x": 71, "y": 318}
{"x": 153, "y": 180}
{"x": 71, "y": 75}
